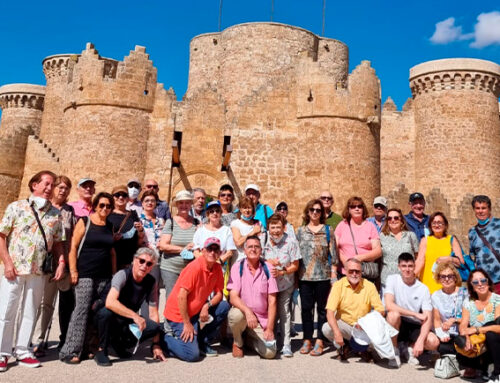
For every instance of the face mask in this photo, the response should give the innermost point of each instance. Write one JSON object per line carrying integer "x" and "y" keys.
{"x": 483, "y": 221}
{"x": 276, "y": 239}
{"x": 39, "y": 202}
{"x": 245, "y": 218}
{"x": 133, "y": 193}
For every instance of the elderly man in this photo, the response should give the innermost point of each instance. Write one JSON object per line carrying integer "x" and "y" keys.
{"x": 253, "y": 293}
{"x": 162, "y": 209}
{"x": 350, "y": 299}
{"x": 129, "y": 289}
{"x": 327, "y": 201}
{"x": 85, "y": 190}
{"x": 29, "y": 230}
{"x": 262, "y": 211}
{"x": 193, "y": 316}
{"x": 417, "y": 221}
{"x": 484, "y": 239}
{"x": 198, "y": 209}
{"x": 134, "y": 189}
{"x": 409, "y": 309}
{"x": 379, "y": 212}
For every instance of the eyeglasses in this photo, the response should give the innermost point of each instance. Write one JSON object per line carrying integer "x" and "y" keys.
{"x": 438, "y": 223}
{"x": 142, "y": 261}
{"x": 285, "y": 209}
{"x": 104, "y": 206}
{"x": 254, "y": 247}
{"x": 446, "y": 277}
{"x": 225, "y": 195}
{"x": 477, "y": 282}
{"x": 151, "y": 200}
{"x": 324, "y": 198}
{"x": 314, "y": 210}
{"x": 354, "y": 271}
{"x": 356, "y": 207}
{"x": 152, "y": 186}
{"x": 379, "y": 206}
{"x": 120, "y": 195}
{"x": 393, "y": 218}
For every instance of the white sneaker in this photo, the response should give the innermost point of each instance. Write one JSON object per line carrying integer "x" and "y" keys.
{"x": 494, "y": 379}
{"x": 411, "y": 359}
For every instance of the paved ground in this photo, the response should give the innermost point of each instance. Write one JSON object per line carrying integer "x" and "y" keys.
{"x": 141, "y": 368}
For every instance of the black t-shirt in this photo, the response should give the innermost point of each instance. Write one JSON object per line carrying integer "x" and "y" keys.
{"x": 95, "y": 257}
{"x": 125, "y": 247}
{"x": 133, "y": 293}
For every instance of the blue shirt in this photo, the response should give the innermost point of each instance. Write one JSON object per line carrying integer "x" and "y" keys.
{"x": 261, "y": 216}
{"x": 162, "y": 210}
{"x": 374, "y": 221}
{"x": 420, "y": 228}
{"x": 484, "y": 258}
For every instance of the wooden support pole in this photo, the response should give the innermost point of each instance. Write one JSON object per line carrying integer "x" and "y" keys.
{"x": 227, "y": 158}
{"x": 176, "y": 159}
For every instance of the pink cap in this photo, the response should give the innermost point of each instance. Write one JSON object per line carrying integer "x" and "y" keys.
{"x": 211, "y": 241}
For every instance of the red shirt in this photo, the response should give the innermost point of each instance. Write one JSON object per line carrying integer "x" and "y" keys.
{"x": 199, "y": 281}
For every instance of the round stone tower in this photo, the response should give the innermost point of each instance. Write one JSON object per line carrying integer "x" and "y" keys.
{"x": 22, "y": 106}
{"x": 457, "y": 143}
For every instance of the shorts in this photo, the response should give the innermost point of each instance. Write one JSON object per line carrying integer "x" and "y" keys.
{"x": 409, "y": 331}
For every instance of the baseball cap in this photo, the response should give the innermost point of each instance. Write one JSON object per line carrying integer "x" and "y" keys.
{"x": 380, "y": 200}
{"x": 415, "y": 196}
{"x": 281, "y": 204}
{"x": 134, "y": 180}
{"x": 83, "y": 180}
{"x": 211, "y": 241}
{"x": 212, "y": 204}
{"x": 253, "y": 187}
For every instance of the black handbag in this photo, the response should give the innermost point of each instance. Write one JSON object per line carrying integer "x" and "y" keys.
{"x": 48, "y": 266}
{"x": 369, "y": 270}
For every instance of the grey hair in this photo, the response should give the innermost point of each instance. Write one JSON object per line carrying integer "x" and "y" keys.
{"x": 353, "y": 260}
{"x": 146, "y": 250}
{"x": 195, "y": 190}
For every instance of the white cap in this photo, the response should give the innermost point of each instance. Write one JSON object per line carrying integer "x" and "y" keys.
{"x": 253, "y": 187}
{"x": 380, "y": 200}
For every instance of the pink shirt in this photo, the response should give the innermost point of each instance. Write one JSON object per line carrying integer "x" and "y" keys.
{"x": 363, "y": 235}
{"x": 253, "y": 289}
{"x": 81, "y": 209}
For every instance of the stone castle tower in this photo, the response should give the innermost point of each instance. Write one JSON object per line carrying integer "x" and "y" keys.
{"x": 279, "y": 99}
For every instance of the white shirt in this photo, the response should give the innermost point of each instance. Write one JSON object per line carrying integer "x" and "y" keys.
{"x": 224, "y": 235}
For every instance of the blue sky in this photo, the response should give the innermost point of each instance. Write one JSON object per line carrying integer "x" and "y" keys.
{"x": 394, "y": 36}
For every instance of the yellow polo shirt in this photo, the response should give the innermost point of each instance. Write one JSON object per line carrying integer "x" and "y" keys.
{"x": 349, "y": 304}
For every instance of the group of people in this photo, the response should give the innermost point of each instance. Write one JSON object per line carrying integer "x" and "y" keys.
{"x": 389, "y": 284}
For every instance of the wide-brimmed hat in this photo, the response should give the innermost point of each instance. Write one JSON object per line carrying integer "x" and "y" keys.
{"x": 119, "y": 188}
{"x": 183, "y": 195}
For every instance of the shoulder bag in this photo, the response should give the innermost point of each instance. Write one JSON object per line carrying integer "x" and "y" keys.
{"x": 468, "y": 266}
{"x": 487, "y": 244}
{"x": 369, "y": 269}
{"x": 48, "y": 266}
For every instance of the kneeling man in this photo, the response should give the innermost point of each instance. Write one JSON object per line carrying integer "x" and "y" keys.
{"x": 193, "y": 317}
{"x": 129, "y": 289}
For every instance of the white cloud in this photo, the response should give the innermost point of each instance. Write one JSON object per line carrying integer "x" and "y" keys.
{"x": 487, "y": 30}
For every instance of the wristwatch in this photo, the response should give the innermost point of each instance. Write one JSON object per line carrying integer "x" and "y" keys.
{"x": 209, "y": 303}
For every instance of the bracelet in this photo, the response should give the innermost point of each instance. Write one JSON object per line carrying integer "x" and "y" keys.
{"x": 477, "y": 331}
{"x": 62, "y": 262}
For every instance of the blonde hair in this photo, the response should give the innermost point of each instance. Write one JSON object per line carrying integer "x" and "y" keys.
{"x": 443, "y": 266}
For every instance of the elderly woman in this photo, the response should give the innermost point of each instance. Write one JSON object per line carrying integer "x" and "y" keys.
{"x": 480, "y": 315}
{"x": 66, "y": 297}
{"x": 282, "y": 209}
{"x": 395, "y": 239}
{"x": 245, "y": 226}
{"x": 92, "y": 262}
{"x": 358, "y": 238}
{"x": 226, "y": 198}
{"x": 176, "y": 240}
{"x": 318, "y": 268}
{"x": 282, "y": 251}
{"x": 436, "y": 248}
{"x": 127, "y": 228}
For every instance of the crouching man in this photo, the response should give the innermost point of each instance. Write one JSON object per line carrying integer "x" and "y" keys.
{"x": 193, "y": 317}
{"x": 252, "y": 292}
{"x": 129, "y": 289}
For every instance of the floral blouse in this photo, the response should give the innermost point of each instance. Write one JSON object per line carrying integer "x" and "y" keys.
{"x": 315, "y": 263}
{"x": 479, "y": 317}
{"x": 152, "y": 230}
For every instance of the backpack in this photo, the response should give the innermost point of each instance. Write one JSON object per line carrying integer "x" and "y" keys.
{"x": 264, "y": 266}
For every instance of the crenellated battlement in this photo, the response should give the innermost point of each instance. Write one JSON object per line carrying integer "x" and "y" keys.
{"x": 22, "y": 96}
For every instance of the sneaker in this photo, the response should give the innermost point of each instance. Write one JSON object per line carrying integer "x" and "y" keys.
{"x": 494, "y": 379}
{"x": 396, "y": 362}
{"x": 102, "y": 359}
{"x": 287, "y": 351}
{"x": 3, "y": 363}
{"x": 411, "y": 359}
{"x": 208, "y": 351}
{"x": 237, "y": 351}
{"x": 29, "y": 361}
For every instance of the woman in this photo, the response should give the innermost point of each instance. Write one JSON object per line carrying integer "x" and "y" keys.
{"x": 447, "y": 305}
{"x": 480, "y": 315}
{"x": 356, "y": 237}
{"x": 282, "y": 251}
{"x": 436, "y": 248}
{"x": 226, "y": 198}
{"x": 92, "y": 262}
{"x": 395, "y": 239}
{"x": 317, "y": 269}
{"x": 214, "y": 228}
{"x": 282, "y": 208}
{"x": 66, "y": 298}
{"x": 176, "y": 241}
{"x": 245, "y": 226}
{"x": 127, "y": 228}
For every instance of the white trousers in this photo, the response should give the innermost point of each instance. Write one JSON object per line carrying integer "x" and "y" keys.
{"x": 27, "y": 290}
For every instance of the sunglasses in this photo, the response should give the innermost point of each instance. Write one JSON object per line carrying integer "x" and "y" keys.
{"x": 477, "y": 282}
{"x": 353, "y": 271}
{"x": 446, "y": 277}
{"x": 313, "y": 210}
{"x": 284, "y": 209}
{"x": 120, "y": 195}
{"x": 356, "y": 207}
{"x": 379, "y": 206}
{"x": 152, "y": 186}
{"x": 227, "y": 195}
{"x": 142, "y": 261}
{"x": 104, "y": 206}
{"x": 394, "y": 218}
{"x": 326, "y": 198}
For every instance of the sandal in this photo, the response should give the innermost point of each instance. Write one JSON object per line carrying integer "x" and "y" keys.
{"x": 306, "y": 347}
{"x": 317, "y": 350}
{"x": 469, "y": 373}
{"x": 70, "y": 359}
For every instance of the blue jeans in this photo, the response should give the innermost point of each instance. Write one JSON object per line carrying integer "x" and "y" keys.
{"x": 190, "y": 351}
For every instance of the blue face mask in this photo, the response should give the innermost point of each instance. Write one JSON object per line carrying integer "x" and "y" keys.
{"x": 245, "y": 218}
{"x": 483, "y": 221}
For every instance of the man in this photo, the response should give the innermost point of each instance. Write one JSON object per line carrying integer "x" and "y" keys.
{"x": 252, "y": 292}
{"x": 379, "y": 212}
{"x": 484, "y": 239}
{"x": 409, "y": 310}
{"x": 129, "y": 289}
{"x": 198, "y": 209}
{"x": 350, "y": 299}
{"x": 327, "y": 201}
{"x": 85, "y": 190}
{"x": 134, "y": 188}
{"x": 23, "y": 250}
{"x": 417, "y": 221}
{"x": 162, "y": 209}
{"x": 192, "y": 316}
{"x": 262, "y": 211}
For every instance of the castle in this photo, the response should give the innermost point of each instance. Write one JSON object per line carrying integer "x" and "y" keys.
{"x": 266, "y": 103}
